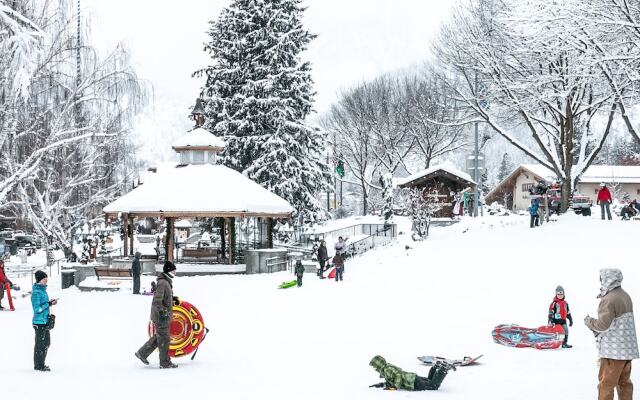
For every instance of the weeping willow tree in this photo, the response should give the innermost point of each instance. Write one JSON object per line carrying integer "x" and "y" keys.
{"x": 65, "y": 122}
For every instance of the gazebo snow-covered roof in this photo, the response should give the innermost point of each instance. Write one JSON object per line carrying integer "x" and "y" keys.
{"x": 198, "y": 139}
{"x": 203, "y": 190}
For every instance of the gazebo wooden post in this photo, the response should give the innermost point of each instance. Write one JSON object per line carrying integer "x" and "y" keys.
{"x": 169, "y": 239}
{"x": 125, "y": 224}
{"x": 131, "y": 222}
{"x": 227, "y": 224}
{"x": 270, "y": 233}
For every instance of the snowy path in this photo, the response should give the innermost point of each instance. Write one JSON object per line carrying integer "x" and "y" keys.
{"x": 316, "y": 342}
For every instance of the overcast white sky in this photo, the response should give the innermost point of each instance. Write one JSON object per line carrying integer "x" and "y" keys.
{"x": 358, "y": 40}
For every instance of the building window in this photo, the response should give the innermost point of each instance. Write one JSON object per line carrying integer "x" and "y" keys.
{"x": 526, "y": 187}
{"x": 184, "y": 157}
{"x": 637, "y": 191}
{"x": 198, "y": 157}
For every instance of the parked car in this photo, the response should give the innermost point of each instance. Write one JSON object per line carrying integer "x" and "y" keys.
{"x": 579, "y": 203}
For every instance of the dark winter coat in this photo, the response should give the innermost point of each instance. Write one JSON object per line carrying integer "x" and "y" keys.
{"x": 604, "y": 195}
{"x": 559, "y": 311}
{"x": 338, "y": 261}
{"x": 393, "y": 375}
{"x": 162, "y": 304}
{"x": 299, "y": 271}
{"x": 136, "y": 269}
{"x": 322, "y": 253}
{"x": 40, "y": 304}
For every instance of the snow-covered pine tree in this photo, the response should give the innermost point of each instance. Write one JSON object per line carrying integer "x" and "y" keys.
{"x": 506, "y": 167}
{"x": 257, "y": 96}
{"x": 386, "y": 182}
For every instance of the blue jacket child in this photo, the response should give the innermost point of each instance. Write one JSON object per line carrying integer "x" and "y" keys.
{"x": 533, "y": 211}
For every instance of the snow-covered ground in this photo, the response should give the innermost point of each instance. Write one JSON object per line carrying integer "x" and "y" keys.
{"x": 440, "y": 297}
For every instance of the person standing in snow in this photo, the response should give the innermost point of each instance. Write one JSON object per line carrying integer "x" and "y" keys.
{"x": 161, "y": 312}
{"x": 340, "y": 247}
{"x": 3, "y": 281}
{"x": 533, "y": 211}
{"x": 136, "y": 270}
{"x": 616, "y": 338}
{"x": 397, "y": 379}
{"x": 41, "y": 311}
{"x": 323, "y": 257}
{"x": 338, "y": 261}
{"x": 299, "y": 271}
{"x": 559, "y": 314}
{"x": 604, "y": 199}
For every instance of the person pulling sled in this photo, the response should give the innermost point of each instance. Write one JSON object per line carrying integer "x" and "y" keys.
{"x": 397, "y": 379}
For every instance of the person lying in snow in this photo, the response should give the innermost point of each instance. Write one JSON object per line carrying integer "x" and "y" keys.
{"x": 559, "y": 314}
{"x": 397, "y": 379}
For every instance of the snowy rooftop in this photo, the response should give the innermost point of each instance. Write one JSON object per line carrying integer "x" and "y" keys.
{"x": 595, "y": 173}
{"x": 199, "y": 137}
{"x": 200, "y": 189}
{"x": 442, "y": 167}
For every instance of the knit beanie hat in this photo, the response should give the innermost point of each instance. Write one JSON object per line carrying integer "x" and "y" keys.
{"x": 40, "y": 275}
{"x": 168, "y": 267}
{"x": 559, "y": 289}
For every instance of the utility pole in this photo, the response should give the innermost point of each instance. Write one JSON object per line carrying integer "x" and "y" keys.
{"x": 328, "y": 201}
{"x": 476, "y": 194}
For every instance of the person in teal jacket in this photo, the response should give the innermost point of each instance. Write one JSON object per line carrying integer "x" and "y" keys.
{"x": 41, "y": 310}
{"x": 397, "y": 379}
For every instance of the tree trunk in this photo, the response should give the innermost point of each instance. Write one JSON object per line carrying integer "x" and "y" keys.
{"x": 565, "y": 194}
{"x": 364, "y": 195}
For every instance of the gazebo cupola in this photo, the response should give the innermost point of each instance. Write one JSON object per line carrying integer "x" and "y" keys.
{"x": 198, "y": 147}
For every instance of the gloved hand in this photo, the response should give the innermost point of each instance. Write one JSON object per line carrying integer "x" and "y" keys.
{"x": 176, "y": 300}
{"x": 586, "y": 319}
{"x": 570, "y": 322}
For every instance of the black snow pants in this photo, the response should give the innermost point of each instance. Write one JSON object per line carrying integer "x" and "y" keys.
{"x": 43, "y": 340}
{"x": 432, "y": 381}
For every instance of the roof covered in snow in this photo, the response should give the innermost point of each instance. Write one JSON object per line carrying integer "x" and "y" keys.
{"x": 611, "y": 174}
{"x": 200, "y": 190}
{"x": 199, "y": 138}
{"x": 432, "y": 170}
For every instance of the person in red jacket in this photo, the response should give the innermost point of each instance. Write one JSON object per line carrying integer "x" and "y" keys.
{"x": 559, "y": 314}
{"x": 604, "y": 199}
{"x": 3, "y": 281}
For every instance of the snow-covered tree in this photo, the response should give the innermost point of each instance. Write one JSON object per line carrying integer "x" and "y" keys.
{"x": 258, "y": 94}
{"x": 421, "y": 205}
{"x": 64, "y": 128}
{"x": 506, "y": 167}
{"x": 386, "y": 181}
{"x": 527, "y": 66}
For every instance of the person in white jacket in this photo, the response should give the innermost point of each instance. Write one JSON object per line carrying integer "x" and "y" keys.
{"x": 615, "y": 336}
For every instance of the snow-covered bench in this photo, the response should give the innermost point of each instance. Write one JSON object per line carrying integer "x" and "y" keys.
{"x": 106, "y": 272}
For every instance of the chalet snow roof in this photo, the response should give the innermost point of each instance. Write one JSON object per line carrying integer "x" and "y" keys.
{"x": 432, "y": 170}
{"x": 203, "y": 190}
{"x": 199, "y": 139}
{"x": 611, "y": 174}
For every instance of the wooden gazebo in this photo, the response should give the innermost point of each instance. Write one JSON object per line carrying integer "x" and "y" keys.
{"x": 198, "y": 187}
